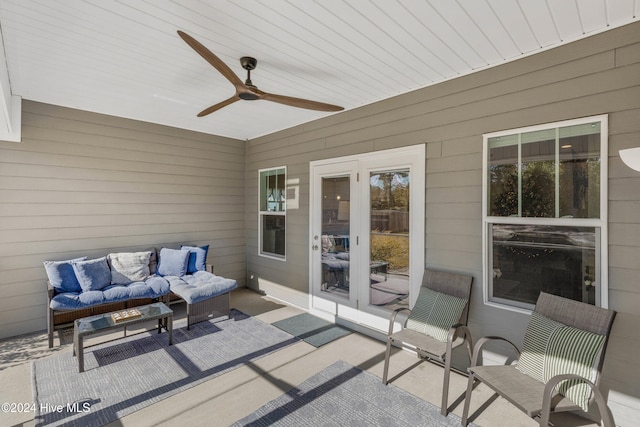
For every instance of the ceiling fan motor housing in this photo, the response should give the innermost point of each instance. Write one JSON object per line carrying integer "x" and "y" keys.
{"x": 249, "y": 63}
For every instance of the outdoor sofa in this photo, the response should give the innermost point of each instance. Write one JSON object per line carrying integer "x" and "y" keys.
{"x": 84, "y": 287}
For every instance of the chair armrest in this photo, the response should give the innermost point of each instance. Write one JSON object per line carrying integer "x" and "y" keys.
{"x": 454, "y": 332}
{"x": 605, "y": 413}
{"x": 394, "y": 314}
{"x": 210, "y": 268}
{"x": 50, "y": 291}
{"x": 482, "y": 341}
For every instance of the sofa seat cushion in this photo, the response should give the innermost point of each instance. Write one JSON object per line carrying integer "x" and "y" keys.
{"x": 153, "y": 287}
{"x": 200, "y": 286}
{"x": 76, "y": 300}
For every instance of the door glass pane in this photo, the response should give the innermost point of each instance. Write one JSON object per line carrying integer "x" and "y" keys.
{"x": 389, "y": 240}
{"x": 335, "y": 236}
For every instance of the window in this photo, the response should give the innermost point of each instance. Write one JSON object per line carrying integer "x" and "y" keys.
{"x": 272, "y": 212}
{"x": 544, "y": 213}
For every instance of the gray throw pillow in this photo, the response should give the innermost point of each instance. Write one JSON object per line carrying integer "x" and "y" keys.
{"x": 173, "y": 262}
{"x": 93, "y": 274}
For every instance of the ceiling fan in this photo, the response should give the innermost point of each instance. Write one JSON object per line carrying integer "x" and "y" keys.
{"x": 247, "y": 90}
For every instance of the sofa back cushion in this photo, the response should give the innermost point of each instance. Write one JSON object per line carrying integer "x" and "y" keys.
{"x": 172, "y": 262}
{"x": 551, "y": 348}
{"x": 62, "y": 276}
{"x": 129, "y": 267}
{"x": 92, "y": 274}
{"x": 197, "y": 258}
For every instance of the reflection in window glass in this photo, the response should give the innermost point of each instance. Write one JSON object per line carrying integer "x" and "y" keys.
{"x": 272, "y": 190}
{"x": 549, "y": 173}
{"x": 335, "y": 239}
{"x": 538, "y": 174}
{"x": 503, "y": 181}
{"x": 273, "y": 234}
{"x": 389, "y": 240}
{"x": 580, "y": 171}
{"x": 528, "y": 259}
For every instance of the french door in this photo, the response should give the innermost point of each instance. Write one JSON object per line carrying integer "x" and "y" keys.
{"x": 367, "y": 234}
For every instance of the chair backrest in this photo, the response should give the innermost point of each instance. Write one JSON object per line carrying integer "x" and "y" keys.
{"x": 578, "y": 315}
{"x": 455, "y": 284}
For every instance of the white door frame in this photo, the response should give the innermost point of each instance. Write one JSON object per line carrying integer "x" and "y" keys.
{"x": 412, "y": 158}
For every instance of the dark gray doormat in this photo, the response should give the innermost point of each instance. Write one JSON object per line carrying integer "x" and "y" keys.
{"x": 344, "y": 395}
{"x": 312, "y": 329}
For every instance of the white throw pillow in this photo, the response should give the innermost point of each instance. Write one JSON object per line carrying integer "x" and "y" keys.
{"x": 129, "y": 267}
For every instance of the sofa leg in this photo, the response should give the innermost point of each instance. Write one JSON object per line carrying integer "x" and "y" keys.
{"x": 188, "y": 316}
{"x": 50, "y": 326}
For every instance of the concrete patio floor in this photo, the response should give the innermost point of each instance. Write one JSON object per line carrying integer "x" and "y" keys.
{"x": 229, "y": 397}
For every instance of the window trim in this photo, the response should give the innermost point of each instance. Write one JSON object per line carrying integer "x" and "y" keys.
{"x": 262, "y": 214}
{"x": 602, "y": 300}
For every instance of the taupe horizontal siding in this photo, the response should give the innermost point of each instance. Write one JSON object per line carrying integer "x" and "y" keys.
{"x": 87, "y": 184}
{"x": 598, "y": 75}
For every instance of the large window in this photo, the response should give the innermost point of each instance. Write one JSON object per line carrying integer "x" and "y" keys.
{"x": 272, "y": 212}
{"x": 544, "y": 213}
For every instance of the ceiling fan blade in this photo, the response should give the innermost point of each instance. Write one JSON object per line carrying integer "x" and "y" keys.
{"x": 218, "y": 106}
{"x": 300, "y": 103}
{"x": 212, "y": 59}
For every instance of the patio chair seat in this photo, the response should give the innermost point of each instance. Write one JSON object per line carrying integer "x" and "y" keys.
{"x": 424, "y": 343}
{"x": 523, "y": 391}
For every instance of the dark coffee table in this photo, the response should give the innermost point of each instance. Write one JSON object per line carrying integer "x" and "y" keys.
{"x": 100, "y": 323}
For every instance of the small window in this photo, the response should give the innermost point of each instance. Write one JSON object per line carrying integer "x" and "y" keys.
{"x": 272, "y": 212}
{"x": 544, "y": 225}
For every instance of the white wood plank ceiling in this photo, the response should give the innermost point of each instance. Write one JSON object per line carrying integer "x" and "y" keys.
{"x": 124, "y": 58}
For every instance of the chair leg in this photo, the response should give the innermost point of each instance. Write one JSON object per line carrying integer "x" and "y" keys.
{"x": 445, "y": 387}
{"x": 467, "y": 399}
{"x": 387, "y": 354}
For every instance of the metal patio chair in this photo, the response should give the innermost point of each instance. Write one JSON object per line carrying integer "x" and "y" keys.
{"x": 560, "y": 363}
{"x": 436, "y": 324}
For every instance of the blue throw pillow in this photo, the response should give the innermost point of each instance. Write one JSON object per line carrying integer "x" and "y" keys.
{"x": 197, "y": 258}
{"x": 93, "y": 274}
{"x": 62, "y": 276}
{"x": 173, "y": 262}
